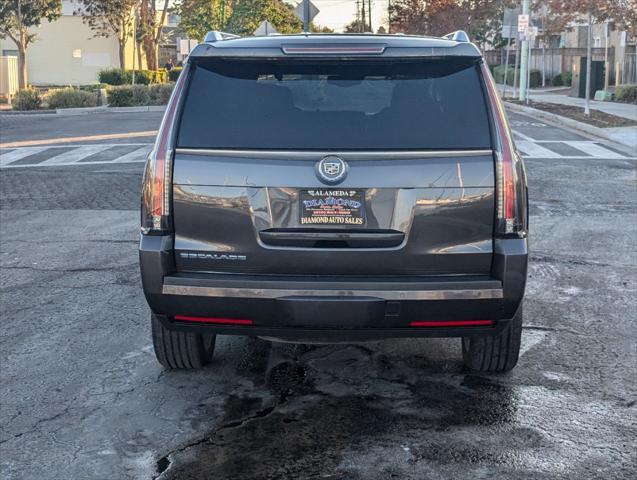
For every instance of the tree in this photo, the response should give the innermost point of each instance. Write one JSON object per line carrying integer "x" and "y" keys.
{"x": 355, "y": 26}
{"x": 17, "y": 16}
{"x": 149, "y": 29}
{"x": 248, "y": 14}
{"x": 594, "y": 11}
{"x": 110, "y": 17}
{"x": 198, "y": 17}
{"x": 481, "y": 19}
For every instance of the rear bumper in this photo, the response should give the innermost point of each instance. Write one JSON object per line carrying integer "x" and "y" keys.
{"x": 337, "y": 308}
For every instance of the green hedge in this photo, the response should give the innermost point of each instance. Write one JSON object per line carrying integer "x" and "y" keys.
{"x": 27, "y": 99}
{"x": 70, "y": 98}
{"x": 557, "y": 80}
{"x": 567, "y": 77}
{"x": 626, "y": 93}
{"x": 173, "y": 74}
{"x": 93, "y": 87}
{"x": 139, "y": 95}
{"x": 117, "y": 76}
{"x": 535, "y": 77}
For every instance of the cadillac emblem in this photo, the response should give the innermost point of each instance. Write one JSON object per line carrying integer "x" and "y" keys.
{"x": 331, "y": 170}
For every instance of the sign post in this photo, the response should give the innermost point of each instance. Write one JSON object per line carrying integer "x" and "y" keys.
{"x": 523, "y": 23}
{"x": 508, "y": 31}
{"x": 306, "y": 11}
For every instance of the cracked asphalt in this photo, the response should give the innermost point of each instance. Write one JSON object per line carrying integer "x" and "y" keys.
{"x": 82, "y": 396}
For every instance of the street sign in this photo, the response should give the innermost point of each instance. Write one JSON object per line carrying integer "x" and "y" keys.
{"x": 523, "y": 22}
{"x": 510, "y": 22}
{"x": 314, "y": 11}
{"x": 266, "y": 28}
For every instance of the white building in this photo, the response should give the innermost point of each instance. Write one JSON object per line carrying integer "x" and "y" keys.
{"x": 66, "y": 51}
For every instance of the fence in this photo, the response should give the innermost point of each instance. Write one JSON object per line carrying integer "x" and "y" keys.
{"x": 629, "y": 68}
{"x": 558, "y": 60}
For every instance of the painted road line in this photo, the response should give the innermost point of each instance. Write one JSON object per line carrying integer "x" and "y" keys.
{"x": 18, "y": 154}
{"x": 594, "y": 150}
{"x": 75, "y": 155}
{"x": 532, "y": 149}
{"x": 87, "y": 138}
{"x": 138, "y": 155}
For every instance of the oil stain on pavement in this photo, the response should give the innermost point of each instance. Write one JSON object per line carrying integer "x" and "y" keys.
{"x": 372, "y": 412}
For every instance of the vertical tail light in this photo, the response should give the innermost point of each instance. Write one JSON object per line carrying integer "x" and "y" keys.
{"x": 158, "y": 172}
{"x": 510, "y": 186}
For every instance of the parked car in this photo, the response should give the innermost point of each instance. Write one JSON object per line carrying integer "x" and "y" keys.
{"x": 335, "y": 188}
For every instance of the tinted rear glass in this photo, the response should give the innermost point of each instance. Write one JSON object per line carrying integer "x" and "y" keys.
{"x": 428, "y": 104}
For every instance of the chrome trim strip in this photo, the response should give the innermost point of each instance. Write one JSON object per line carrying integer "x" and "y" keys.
{"x": 346, "y": 155}
{"x": 273, "y": 293}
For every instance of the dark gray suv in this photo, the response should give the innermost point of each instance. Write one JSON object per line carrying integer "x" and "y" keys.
{"x": 335, "y": 188}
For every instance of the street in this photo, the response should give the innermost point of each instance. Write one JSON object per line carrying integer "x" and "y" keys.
{"x": 83, "y": 396}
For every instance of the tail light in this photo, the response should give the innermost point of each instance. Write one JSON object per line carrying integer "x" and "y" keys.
{"x": 453, "y": 323}
{"x": 220, "y": 321}
{"x": 158, "y": 171}
{"x": 510, "y": 186}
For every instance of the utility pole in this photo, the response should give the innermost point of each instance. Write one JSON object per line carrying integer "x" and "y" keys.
{"x": 524, "y": 52}
{"x": 364, "y": 26}
{"x": 369, "y": 13}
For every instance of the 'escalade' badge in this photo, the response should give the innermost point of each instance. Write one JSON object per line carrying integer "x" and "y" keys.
{"x": 331, "y": 170}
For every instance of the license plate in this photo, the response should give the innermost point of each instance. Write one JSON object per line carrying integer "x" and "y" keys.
{"x": 332, "y": 207}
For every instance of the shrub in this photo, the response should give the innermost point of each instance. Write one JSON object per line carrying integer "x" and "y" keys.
{"x": 535, "y": 78}
{"x": 114, "y": 76}
{"x": 557, "y": 80}
{"x": 568, "y": 78}
{"x": 117, "y": 76}
{"x": 128, "y": 96}
{"x": 27, "y": 99}
{"x": 498, "y": 74}
{"x": 173, "y": 74}
{"x": 70, "y": 98}
{"x": 93, "y": 87}
{"x": 626, "y": 93}
{"x": 160, "y": 93}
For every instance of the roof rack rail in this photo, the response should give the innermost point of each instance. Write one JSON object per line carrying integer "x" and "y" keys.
{"x": 457, "y": 36}
{"x": 216, "y": 36}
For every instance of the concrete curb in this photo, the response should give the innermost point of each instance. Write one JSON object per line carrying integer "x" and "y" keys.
{"x": 147, "y": 108}
{"x": 79, "y": 111}
{"x": 86, "y": 110}
{"x": 574, "y": 124}
{"x": 18, "y": 113}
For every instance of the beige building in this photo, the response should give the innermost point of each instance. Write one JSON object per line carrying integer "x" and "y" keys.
{"x": 66, "y": 52}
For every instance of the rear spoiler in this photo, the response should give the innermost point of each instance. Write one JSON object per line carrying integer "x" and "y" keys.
{"x": 328, "y": 47}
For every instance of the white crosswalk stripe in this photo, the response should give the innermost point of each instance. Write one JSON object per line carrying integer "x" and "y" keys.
{"x": 18, "y": 154}
{"x": 594, "y": 150}
{"x": 135, "y": 155}
{"x": 74, "y": 155}
{"x": 535, "y": 150}
{"x": 49, "y": 156}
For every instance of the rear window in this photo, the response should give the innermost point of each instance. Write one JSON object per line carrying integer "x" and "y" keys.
{"x": 425, "y": 104}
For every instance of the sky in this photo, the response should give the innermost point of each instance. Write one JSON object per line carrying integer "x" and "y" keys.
{"x": 338, "y": 13}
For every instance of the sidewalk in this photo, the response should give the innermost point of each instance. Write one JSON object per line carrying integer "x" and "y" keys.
{"x": 625, "y": 110}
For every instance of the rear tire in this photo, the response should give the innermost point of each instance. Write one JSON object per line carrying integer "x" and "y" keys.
{"x": 498, "y": 353}
{"x": 180, "y": 349}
